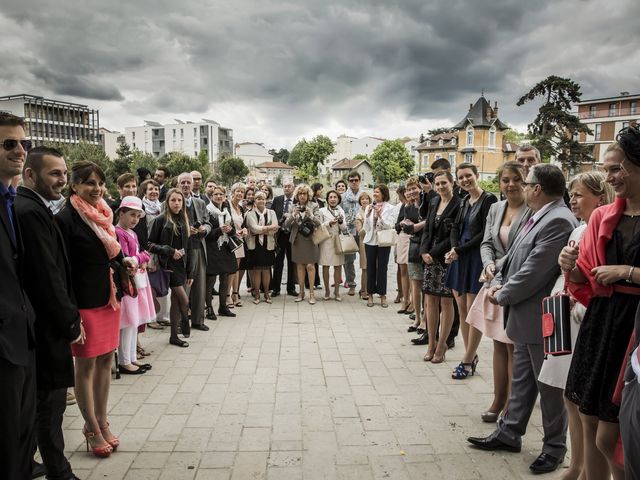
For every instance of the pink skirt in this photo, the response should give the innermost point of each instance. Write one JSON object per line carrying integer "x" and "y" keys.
{"x": 139, "y": 310}
{"x": 487, "y": 317}
{"x": 102, "y": 328}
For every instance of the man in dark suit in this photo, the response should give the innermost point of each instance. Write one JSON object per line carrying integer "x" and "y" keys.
{"x": 200, "y": 227}
{"x": 48, "y": 284}
{"x": 527, "y": 273}
{"x": 283, "y": 204}
{"x": 197, "y": 187}
{"x": 161, "y": 176}
{"x": 17, "y": 336}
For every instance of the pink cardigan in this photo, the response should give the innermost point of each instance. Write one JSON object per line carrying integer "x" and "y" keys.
{"x": 130, "y": 246}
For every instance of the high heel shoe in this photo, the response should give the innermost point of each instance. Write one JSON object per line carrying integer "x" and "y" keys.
{"x": 236, "y": 299}
{"x": 113, "y": 441}
{"x": 461, "y": 372}
{"x": 337, "y": 294}
{"x": 383, "y": 301}
{"x": 101, "y": 451}
{"x": 230, "y": 303}
{"x": 439, "y": 358}
{"x": 489, "y": 416}
{"x": 312, "y": 299}
{"x": 267, "y": 299}
{"x": 428, "y": 356}
{"x": 300, "y": 297}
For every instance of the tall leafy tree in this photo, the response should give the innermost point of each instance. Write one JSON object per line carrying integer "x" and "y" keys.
{"x": 122, "y": 163}
{"x": 178, "y": 163}
{"x": 391, "y": 162}
{"x": 230, "y": 170}
{"x": 306, "y": 156}
{"x": 437, "y": 131}
{"x": 554, "y": 129}
{"x": 281, "y": 155}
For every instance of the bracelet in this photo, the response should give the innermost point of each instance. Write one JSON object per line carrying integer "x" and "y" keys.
{"x": 630, "y": 276}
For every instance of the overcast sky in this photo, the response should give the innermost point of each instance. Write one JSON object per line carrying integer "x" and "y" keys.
{"x": 275, "y": 71}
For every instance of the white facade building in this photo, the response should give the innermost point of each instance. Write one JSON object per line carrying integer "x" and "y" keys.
{"x": 252, "y": 154}
{"x": 411, "y": 145}
{"x": 348, "y": 147}
{"x": 185, "y": 137}
{"x": 111, "y": 141}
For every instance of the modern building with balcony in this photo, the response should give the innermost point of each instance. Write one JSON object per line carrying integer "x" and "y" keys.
{"x": 189, "y": 138}
{"x": 111, "y": 141}
{"x": 54, "y": 121}
{"x": 606, "y": 117}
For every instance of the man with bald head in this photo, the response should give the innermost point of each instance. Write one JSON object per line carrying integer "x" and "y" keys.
{"x": 200, "y": 228}
{"x": 197, "y": 187}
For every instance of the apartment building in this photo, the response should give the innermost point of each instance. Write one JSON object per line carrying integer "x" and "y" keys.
{"x": 111, "y": 141}
{"x": 189, "y": 138}
{"x": 54, "y": 121}
{"x": 606, "y": 117}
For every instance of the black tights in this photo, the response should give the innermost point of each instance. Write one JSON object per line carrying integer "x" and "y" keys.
{"x": 179, "y": 308}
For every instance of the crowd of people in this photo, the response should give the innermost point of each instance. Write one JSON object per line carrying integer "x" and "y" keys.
{"x": 85, "y": 275}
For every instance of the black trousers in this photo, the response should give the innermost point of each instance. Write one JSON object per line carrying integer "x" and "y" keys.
{"x": 377, "y": 266}
{"x": 49, "y": 413}
{"x": 284, "y": 251}
{"x": 17, "y": 418}
{"x": 222, "y": 290}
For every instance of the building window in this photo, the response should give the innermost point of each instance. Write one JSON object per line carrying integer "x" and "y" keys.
{"x": 452, "y": 159}
{"x": 597, "y": 130}
{"x": 592, "y": 111}
{"x": 425, "y": 160}
{"x": 133, "y": 136}
{"x": 428, "y": 143}
{"x": 195, "y": 131}
{"x": 612, "y": 109}
{"x": 441, "y": 142}
{"x": 174, "y": 133}
{"x": 453, "y": 141}
{"x": 492, "y": 137}
{"x": 470, "y": 136}
{"x": 468, "y": 157}
{"x": 633, "y": 107}
{"x": 182, "y": 133}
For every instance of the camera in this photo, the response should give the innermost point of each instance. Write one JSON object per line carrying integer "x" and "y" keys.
{"x": 197, "y": 225}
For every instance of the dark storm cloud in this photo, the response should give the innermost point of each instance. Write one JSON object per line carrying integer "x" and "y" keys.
{"x": 296, "y": 67}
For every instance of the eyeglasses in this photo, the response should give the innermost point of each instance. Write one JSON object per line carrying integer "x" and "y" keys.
{"x": 354, "y": 180}
{"x": 11, "y": 143}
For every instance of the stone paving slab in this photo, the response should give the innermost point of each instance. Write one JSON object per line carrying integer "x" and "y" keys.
{"x": 294, "y": 391}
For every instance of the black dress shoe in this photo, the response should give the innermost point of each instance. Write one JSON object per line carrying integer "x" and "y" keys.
{"x": 412, "y": 328}
{"x": 226, "y": 313}
{"x": 421, "y": 340}
{"x": 275, "y": 294}
{"x": 145, "y": 366}
{"x": 38, "y": 469}
{"x": 421, "y": 331}
{"x": 209, "y": 314}
{"x": 185, "y": 328}
{"x": 137, "y": 371}
{"x": 201, "y": 327}
{"x": 545, "y": 463}
{"x": 489, "y": 443}
{"x": 178, "y": 342}
{"x": 293, "y": 293}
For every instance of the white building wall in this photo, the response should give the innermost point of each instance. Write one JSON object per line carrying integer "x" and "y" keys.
{"x": 364, "y": 146}
{"x": 110, "y": 143}
{"x": 253, "y": 154}
{"x": 14, "y": 106}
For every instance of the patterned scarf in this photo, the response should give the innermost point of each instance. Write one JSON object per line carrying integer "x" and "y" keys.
{"x": 151, "y": 207}
{"x": 224, "y": 218}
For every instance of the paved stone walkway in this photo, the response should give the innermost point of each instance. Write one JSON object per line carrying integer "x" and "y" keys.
{"x": 292, "y": 391}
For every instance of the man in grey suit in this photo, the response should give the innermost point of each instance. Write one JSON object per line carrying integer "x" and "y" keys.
{"x": 200, "y": 227}
{"x": 630, "y": 410}
{"x": 527, "y": 274}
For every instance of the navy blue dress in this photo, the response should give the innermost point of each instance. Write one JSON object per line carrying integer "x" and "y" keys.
{"x": 464, "y": 274}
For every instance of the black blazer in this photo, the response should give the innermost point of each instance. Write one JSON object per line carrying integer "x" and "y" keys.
{"x": 436, "y": 236}
{"x": 17, "y": 334}
{"x": 48, "y": 284}
{"x": 163, "y": 192}
{"x": 278, "y": 206}
{"x": 91, "y": 274}
{"x": 477, "y": 222}
{"x": 164, "y": 242}
{"x": 220, "y": 260}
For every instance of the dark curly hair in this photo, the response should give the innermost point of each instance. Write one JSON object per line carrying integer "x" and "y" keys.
{"x": 629, "y": 140}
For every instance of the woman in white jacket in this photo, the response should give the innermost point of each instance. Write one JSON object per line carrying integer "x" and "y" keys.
{"x": 378, "y": 216}
{"x": 333, "y": 218}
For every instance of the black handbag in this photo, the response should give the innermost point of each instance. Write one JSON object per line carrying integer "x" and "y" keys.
{"x": 306, "y": 227}
{"x": 414, "y": 250}
{"x": 556, "y": 323}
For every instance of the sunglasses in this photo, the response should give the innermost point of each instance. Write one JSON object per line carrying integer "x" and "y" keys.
{"x": 11, "y": 143}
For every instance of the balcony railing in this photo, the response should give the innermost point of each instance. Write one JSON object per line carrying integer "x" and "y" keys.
{"x": 618, "y": 112}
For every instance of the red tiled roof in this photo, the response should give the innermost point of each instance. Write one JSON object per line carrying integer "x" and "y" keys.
{"x": 347, "y": 163}
{"x": 280, "y": 165}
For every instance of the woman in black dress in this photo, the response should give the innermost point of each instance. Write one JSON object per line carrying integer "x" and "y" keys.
{"x": 605, "y": 277}
{"x": 436, "y": 241}
{"x": 262, "y": 224}
{"x": 221, "y": 261}
{"x": 170, "y": 236}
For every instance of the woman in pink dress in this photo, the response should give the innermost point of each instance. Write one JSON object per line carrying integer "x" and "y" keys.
{"x": 138, "y": 310}
{"x": 86, "y": 223}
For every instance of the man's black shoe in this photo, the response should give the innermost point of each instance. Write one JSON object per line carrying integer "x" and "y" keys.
{"x": 202, "y": 327}
{"x": 38, "y": 469}
{"x": 545, "y": 463}
{"x": 451, "y": 342}
{"x": 226, "y": 313}
{"x": 421, "y": 340}
{"x": 275, "y": 294}
{"x": 209, "y": 314}
{"x": 489, "y": 443}
{"x": 293, "y": 293}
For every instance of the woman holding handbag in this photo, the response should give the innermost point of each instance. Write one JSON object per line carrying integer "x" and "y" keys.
{"x": 436, "y": 241}
{"x": 364, "y": 200}
{"x": 221, "y": 261}
{"x": 465, "y": 263}
{"x": 262, "y": 225}
{"x": 237, "y": 214}
{"x": 379, "y": 221}
{"x": 333, "y": 218}
{"x": 302, "y": 220}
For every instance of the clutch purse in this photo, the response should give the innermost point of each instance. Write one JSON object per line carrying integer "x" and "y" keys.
{"x": 556, "y": 323}
{"x": 235, "y": 243}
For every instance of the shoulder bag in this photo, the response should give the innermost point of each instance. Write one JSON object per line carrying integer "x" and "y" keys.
{"x": 345, "y": 244}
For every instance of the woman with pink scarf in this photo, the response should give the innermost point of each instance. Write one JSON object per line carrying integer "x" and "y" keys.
{"x": 86, "y": 223}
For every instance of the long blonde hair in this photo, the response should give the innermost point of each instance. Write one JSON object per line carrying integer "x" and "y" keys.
{"x": 169, "y": 217}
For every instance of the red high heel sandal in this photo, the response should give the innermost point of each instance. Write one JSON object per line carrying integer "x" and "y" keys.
{"x": 113, "y": 441}
{"x": 101, "y": 451}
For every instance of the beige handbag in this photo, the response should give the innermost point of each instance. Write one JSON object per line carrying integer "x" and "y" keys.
{"x": 320, "y": 234}
{"x": 386, "y": 238}
{"x": 346, "y": 244}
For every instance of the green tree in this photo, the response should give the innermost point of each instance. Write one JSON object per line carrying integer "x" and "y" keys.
{"x": 307, "y": 155}
{"x": 281, "y": 155}
{"x": 122, "y": 163}
{"x": 554, "y": 129}
{"x": 178, "y": 163}
{"x": 139, "y": 159}
{"x": 422, "y": 138}
{"x": 513, "y": 136}
{"x": 89, "y": 152}
{"x": 230, "y": 170}
{"x": 437, "y": 131}
{"x": 391, "y": 162}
